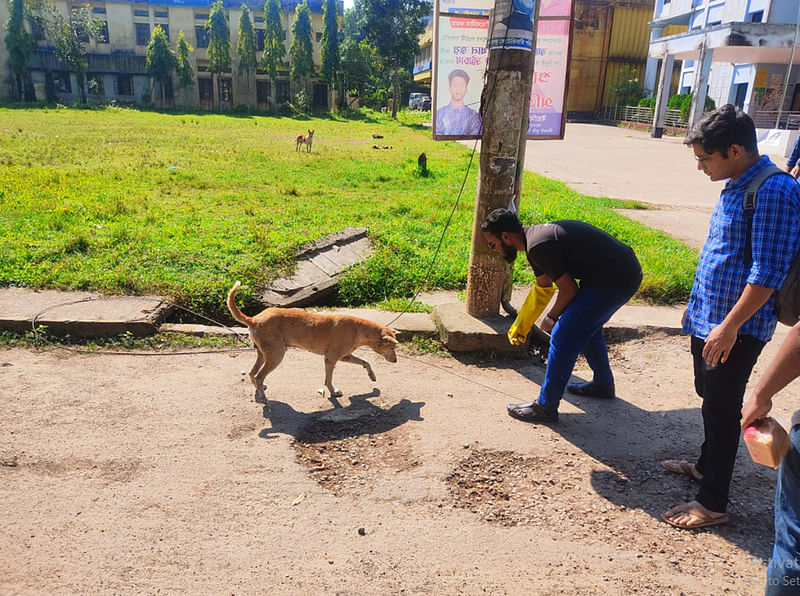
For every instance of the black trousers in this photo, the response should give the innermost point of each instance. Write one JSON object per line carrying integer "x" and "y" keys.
{"x": 722, "y": 389}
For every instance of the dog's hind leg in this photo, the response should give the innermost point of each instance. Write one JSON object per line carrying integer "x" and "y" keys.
{"x": 356, "y": 360}
{"x": 269, "y": 360}
{"x": 260, "y": 396}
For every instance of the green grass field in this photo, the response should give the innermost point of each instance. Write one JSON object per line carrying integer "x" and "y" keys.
{"x": 182, "y": 205}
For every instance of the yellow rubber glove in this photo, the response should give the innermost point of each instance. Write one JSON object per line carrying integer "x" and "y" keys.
{"x": 537, "y": 300}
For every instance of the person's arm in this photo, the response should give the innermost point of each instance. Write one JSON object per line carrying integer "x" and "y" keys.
{"x": 775, "y": 242}
{"x": 794, "y": 157}
{"x": 783, "y": 370}
{"x": 567, "y": 290}
{"x": 722, "y": 337}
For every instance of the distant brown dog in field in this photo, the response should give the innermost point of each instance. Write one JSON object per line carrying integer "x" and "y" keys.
{"x": 305, "y": 139}
{"x": 332, "y": 335}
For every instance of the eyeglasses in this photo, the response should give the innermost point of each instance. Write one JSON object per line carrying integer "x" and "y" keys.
{"x": 703, "y": 158}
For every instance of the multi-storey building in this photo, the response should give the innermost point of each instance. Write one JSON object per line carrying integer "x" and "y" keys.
{"x": 735, "y": 51}
{"x": 116, "y": 61}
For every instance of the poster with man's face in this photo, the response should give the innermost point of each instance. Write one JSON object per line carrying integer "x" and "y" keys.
{"x": 462, "y": 60}
{"x": 462, "y": 53}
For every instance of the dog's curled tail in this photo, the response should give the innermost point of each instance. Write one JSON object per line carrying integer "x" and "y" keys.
{"x": 237, "y": 314}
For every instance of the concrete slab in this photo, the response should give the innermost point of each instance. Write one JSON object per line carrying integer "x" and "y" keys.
{"x": 461, "y": 332}
{"x": 320, "y": 264}
{"x": 80, "y": 314}
{"x": 202, "y": 330}
{"x": 406, "y": 325}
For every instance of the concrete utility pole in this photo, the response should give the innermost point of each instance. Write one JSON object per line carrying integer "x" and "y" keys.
{"x": 505, "y": 107}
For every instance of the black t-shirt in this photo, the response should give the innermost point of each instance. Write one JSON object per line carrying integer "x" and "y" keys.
{"x": 585, "y": 252}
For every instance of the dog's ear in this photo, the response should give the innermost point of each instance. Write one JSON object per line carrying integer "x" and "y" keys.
{"x": 390, "y": 338}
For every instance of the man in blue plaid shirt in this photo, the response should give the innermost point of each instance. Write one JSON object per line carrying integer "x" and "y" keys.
{"x": 731, "y": 312}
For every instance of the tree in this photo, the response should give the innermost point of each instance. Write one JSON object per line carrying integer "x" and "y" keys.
{"x": 19, "y": 43}
{"x": 274, "y": 50}
{"x": 246, "y": 49}
{"x": 183, "y": 67}
{"x": 393, "y": 27}
{"x": 219, "y": 44}
{"x": 357, "y": 61}
{"x": 301, "y": 51}
{"x": 160, "y": 60}
{"x": 627, "y": 90}
{"x": 70, "y": 35}
{"x": 330, "y": 41}
{"x": 350, "y": 26}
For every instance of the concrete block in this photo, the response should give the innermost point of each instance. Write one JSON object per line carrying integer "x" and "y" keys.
{"x": 461, "y": 332}
{"x": 81, "y": 314}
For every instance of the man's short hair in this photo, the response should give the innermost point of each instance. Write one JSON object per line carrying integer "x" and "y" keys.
{"x": 502, "y": 220}
{"x": 457, "y": 73}
{"x": 722, "y": 128}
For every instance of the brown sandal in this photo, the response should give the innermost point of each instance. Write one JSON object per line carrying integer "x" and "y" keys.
{"x": 696, "y": 516}
{"x": 681, "y": 466}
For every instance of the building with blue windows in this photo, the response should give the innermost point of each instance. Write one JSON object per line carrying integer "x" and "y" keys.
{"x": 742, "y": 52}
{"x": 116, "y": 61}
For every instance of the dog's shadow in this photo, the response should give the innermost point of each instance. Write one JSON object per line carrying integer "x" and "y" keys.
{"x": 360, "y": 417}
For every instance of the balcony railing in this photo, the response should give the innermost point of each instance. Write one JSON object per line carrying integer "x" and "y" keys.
{"x": 643, "y": 115}
{"x": 762, "y": 118}
{"x": 769, "y": 119}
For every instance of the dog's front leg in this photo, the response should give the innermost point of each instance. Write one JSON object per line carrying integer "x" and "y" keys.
{"x": 330, "y": 362}
{"x": 356, "y": 360}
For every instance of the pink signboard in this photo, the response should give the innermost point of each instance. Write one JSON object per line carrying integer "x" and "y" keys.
{"x": 461, "y": 55}
{"x": 549, "y": 79}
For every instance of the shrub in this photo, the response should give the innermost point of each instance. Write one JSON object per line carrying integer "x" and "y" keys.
{"x": 302, "y": 103}
{"x": 627, "y": 90}
{"x": 674, "y": 102}
{"x": 686, "y": 105}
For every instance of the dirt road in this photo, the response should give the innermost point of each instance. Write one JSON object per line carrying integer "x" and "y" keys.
{"x": 145, "y": 474}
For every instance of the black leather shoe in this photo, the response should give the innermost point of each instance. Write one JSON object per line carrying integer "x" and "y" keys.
{"x": 531, "y": 412}
{"x": 591, "y": 389}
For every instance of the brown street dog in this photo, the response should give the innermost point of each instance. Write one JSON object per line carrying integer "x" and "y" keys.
{"x": 305, "y": 139}
{"x": 332, "y": 335}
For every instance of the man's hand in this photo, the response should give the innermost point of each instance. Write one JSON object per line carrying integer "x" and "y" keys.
{"x": 752, "y": 410}
{"x": 719, "y": 344}
{"x": 547, "y": 325}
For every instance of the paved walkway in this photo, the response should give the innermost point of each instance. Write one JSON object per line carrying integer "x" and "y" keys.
{"x": 608, "y": 161}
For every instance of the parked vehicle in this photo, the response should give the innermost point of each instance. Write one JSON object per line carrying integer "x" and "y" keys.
{"x": 418, "y": 101}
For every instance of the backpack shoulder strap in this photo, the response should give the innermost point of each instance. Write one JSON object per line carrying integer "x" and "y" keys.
{"x": 749, "y": 205}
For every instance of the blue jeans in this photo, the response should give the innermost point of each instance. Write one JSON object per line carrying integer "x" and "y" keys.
{"x": 783, "y": 573}
{"x": 580, "y": 330}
